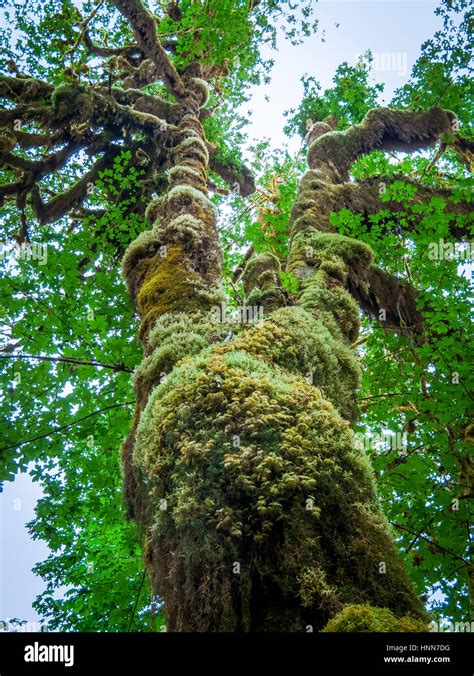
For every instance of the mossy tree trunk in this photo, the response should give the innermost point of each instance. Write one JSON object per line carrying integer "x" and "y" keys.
{"x": 259, "y": 511}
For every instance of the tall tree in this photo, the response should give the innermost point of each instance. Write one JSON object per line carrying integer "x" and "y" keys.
{"x": 257, "y": 509}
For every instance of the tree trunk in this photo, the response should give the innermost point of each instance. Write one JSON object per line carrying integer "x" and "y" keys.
{"x": 259, "y": 511}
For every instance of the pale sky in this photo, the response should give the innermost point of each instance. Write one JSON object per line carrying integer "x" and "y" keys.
{"x": 388, "y": 26}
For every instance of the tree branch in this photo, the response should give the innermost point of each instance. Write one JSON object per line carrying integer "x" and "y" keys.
{"x": 333, "y": 153}
{"x": 399, "y": 526}
{"x": 67, "y": 360}
{"x": 64, "y": 427}
{"x": 144, "y": 29}
{"x": 240, "y": 178}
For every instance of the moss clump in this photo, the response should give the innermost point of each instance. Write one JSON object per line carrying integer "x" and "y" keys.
{"x": 193, "y": 144}
{"x": 334, "y": 306}
{"x": 326, "y": 263}
{"x": 153, "y": 211}
{"x": 71, "y": 101}
{"x": 257, "y": 467}
{"x": 313, "y": 248}
{"x": 144, "y": 246}
{"x": 365, "y": 618}
{"x": 185, "y": 196}
{"x": 183, "y": 229}
{"x": 296, "y": 341}
{"x": 182, "y": 174}
{"x": 170, "y": 285}
{"x": 261, "y": 281}
{"x": 174, "y": 336}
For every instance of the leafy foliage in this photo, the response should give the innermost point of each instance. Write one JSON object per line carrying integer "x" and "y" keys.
{"x": 342, "y": 105}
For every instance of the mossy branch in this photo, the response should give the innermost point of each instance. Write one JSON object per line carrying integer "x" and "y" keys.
{"x": 144, "y": 29}
{"x": 333, "y": 153}
{"x": 235, "y": 176}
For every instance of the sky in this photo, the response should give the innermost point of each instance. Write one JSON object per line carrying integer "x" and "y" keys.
{"x": 389, "y": 27}
{"x": 385, "y": 27}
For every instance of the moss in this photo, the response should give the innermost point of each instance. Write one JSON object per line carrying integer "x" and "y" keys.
{"x": 247, "y": 442}
{"x": 247, "y": 501}
{"x": 170, "y": 285}
{"x": 145, "y": 245}
{"x": 296, "y": 341}
{"x": 186, "y": 196}
{"x": 182, "y": 172}
{"x": 365, "y": 618}
{"x": 184, "y": 228}
{"x": 317, "y": 130}
{"x": 325, "y": 262}
{"x": 313, "y": 247}
{"x": 334, "y": 307}
{"x": 382, "y": 128}
{"x": 71, "y": 100}
{"x": 7, "y": 141}
{"x": 261, "y": 282}
{"x": 174, "y": 336}
{"x": 153, "y": 211}
{"x": 196, "y": 144}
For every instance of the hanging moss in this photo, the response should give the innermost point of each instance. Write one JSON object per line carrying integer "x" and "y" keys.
{"x": 365, "y": 618}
